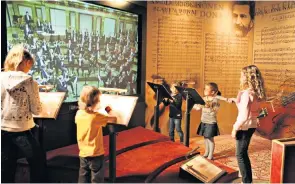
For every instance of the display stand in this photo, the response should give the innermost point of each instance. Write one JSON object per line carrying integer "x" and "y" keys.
{"x": 51, "y": 103}
{"x": 201, "y": 170}
{"x": 192, "y": 97}
{"x": 123, "y": 114}
{"x": 282, "y": 160}
{"x": 161, "y": 92}
{"x": 112, "y": 152}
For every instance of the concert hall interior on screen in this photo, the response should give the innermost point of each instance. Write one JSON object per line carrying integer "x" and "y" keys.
{"x": 147, "y": 91}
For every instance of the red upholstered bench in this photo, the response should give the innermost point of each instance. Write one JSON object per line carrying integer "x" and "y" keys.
{"x": 140, "y": 154}
{"x": 67, "y": 157}
{"x": 125, "y": 139}
{"x": 143, "y": 161}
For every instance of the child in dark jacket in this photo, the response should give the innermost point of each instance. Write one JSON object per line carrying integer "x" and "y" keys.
{"x": 175, "y": 113}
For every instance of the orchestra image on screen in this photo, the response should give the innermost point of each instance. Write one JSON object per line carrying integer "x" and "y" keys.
{"x": 93, "y": 45}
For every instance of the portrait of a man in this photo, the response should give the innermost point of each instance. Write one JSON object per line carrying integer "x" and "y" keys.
{"x": 243, "y": 17}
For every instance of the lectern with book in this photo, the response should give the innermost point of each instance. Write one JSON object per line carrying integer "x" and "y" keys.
{"x": 192, "y": 97}
{"x": 122, "y": 107}
{"x": 161, "y": 93}
{"x": 51, "y": 103}
{"x": 201, "y": 170}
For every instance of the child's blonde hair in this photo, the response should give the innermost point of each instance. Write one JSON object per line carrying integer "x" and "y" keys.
{"x": 15, "y": 57}
{"x": 253, "y": 80}
{"x": 89, "y": 97}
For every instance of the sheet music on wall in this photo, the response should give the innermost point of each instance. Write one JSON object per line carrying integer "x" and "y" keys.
{"x": 274, "y": 45}
{"x": 178, "y": 40}
{"x": 274, "y": 54}
{"x": 225, "y": 55}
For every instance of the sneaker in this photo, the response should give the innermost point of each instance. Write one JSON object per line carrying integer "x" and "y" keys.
{"x": 210, "y": 158}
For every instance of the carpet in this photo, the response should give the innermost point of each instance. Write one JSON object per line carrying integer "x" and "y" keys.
{"x": 259, "y": 153}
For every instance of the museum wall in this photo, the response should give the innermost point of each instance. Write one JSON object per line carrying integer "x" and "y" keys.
{"x": 201, "y": 42}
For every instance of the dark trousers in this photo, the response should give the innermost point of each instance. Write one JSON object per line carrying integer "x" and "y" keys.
{"x": 243, "y": 139}
{"x": 24, "y": 143}
{"x": 91, "y": 169}
{"x": 175, "y": 123}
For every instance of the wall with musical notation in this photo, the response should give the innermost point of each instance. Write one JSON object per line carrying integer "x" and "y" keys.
{"x": 274, "y": 54}
{"x": 200, "y": 42}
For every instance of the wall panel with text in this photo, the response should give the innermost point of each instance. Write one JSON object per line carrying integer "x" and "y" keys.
{"x": 200, "y": 42}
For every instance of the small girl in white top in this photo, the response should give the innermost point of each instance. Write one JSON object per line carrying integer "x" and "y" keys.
{"x": 209, "y": 127}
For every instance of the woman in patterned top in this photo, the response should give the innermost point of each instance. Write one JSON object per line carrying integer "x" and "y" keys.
{"x": 20, "y": 99}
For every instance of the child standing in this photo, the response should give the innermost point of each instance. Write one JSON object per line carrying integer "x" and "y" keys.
{"x": 175, "y": 113}
{"x": 248, "y": 102}
{"x": 19, "y": 100}
{"x": 89, "y": 135}
{"x": 208, "y": 127}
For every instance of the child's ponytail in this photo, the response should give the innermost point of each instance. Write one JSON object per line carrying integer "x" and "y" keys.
{"x": 218, "y": 93}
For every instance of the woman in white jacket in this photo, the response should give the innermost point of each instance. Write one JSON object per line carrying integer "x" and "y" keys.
{"x": 19, "y": 100}
{"x": 248, "y": 100}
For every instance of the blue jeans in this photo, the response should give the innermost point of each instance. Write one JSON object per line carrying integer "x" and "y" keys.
{"x": 14, "y": 143}
{"x": 175, "y": 123}
{"x": 91, "y": 169}
{"x": 243, "y": 139}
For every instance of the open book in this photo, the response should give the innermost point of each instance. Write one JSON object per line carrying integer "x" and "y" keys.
{"x": 202, "y": 169}
{"x": 122, "y": 106}
{"x": 51, "y": 103}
